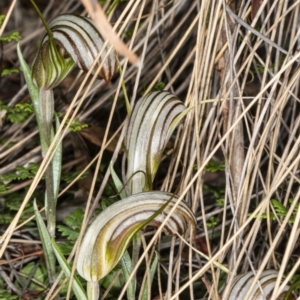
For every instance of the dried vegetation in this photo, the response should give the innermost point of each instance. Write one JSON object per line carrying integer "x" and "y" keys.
{"x": 236, "y": 151}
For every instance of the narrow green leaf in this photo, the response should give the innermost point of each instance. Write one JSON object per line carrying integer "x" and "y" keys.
{"x": 56, "y": 163}
{"x": 46, "y": 241}
{"x": 118, "y": 183}
{"x": 76, "y": 285}
{"x": 145, "y": 290}
{"x": 34, "y": 94}
{"x": 279, "y": 207}
{"x": 32, "y": 88}
{"x": 127, "y": 268}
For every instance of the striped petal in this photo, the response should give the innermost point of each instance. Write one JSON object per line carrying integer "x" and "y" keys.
{"x": 76, "y": 42}
{"x": 262, "y": 289}
{"x": 151, "y": 124}
{"x": 110, "y": 233}
{"x": 50, "y": 67}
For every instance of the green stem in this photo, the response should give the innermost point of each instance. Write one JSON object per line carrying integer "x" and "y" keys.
{"x": 50, "y": 204}
{"x": 43, "y": 104}
{"x": 46, "y": 112}
{"x": 136, "y": 247}
{"x": 112, "y": 6}
{"x": 46, "y": 102}
{"x": 49, "y": 32}
{"x": 93, "y": 291}
{"x": 46, "y": 108}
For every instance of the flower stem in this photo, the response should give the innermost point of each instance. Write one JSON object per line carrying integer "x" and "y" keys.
{"x": 93, "y": 291}
{"x": 46, "y": 110}
{"x": 46, "y": 106}
{"x": 46, "y": 102}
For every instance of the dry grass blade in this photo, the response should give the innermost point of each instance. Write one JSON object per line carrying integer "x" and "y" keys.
{"x": 235, "y": 157}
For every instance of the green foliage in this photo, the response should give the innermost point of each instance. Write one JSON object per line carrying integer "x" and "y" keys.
{"x": 280, "y": 211}
{"x": 128, "y": 33}
{"x": 69, "y": 177}
{"x": 10, "y": 205}
{"x": 212, "y": 222}
{"x": 39, "y": 274}
{"x": 21, "y": 173}
{"x": 73, "y": 222}
{"x": 14, "y": 36}
{"x": 2, "y": 17}
{"x": 118, "y": 284}
{"x": 295, "y": 283}
{"x": 212, "y": 166}
{"x": 261, "y": 68}
{"x": 106, "y": 202}
{"x": 77, "y": 287}
{"x": 113, "y": 5}
{"x": 9, "y": 71}
{"x": 159, "y": 86}
{"x": 71, "y": 230}
{"x": 76, "y": 125}
{"x": 220, "y": 202}
{"x": 17, "y": 114}
{"x": 217, "y": 192}
{"x": 4, "y": 188}
{"x": 295, "y": 278}
{"x": 27, "y": 107}
{"x": 4, "y": 295}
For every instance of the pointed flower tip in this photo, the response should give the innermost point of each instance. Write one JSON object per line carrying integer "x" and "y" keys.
{"x": 76, "y": 41}
{"x": 109, "y": 235}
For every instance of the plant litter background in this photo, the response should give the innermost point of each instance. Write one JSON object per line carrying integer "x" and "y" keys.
{"x": 235, "y": 157}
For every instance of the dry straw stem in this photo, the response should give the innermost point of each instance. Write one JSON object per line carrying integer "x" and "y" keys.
{"x": 178, "y": 44}
{"x": 2, "y": 28}
{"x": 97, "y": 14}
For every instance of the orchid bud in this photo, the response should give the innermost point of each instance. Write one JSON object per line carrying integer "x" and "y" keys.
{"x": 73, "y": 40}
{"x": 151, "y": 123}
{"x": 110, "y": 233}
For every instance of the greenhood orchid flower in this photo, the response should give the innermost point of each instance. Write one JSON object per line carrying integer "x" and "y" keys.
{"x": 151, "y": 123}
{"x": 110, "y": 233}
{"x": 71, "y": 40}
{"x": 245, "y": 287}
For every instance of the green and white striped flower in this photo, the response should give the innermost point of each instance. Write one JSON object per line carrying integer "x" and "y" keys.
{"x": 153, "y": 119}
{"x": 72, "y": 40}
{"x": 110, "y": 233}
{"x": 261, "y": 289}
